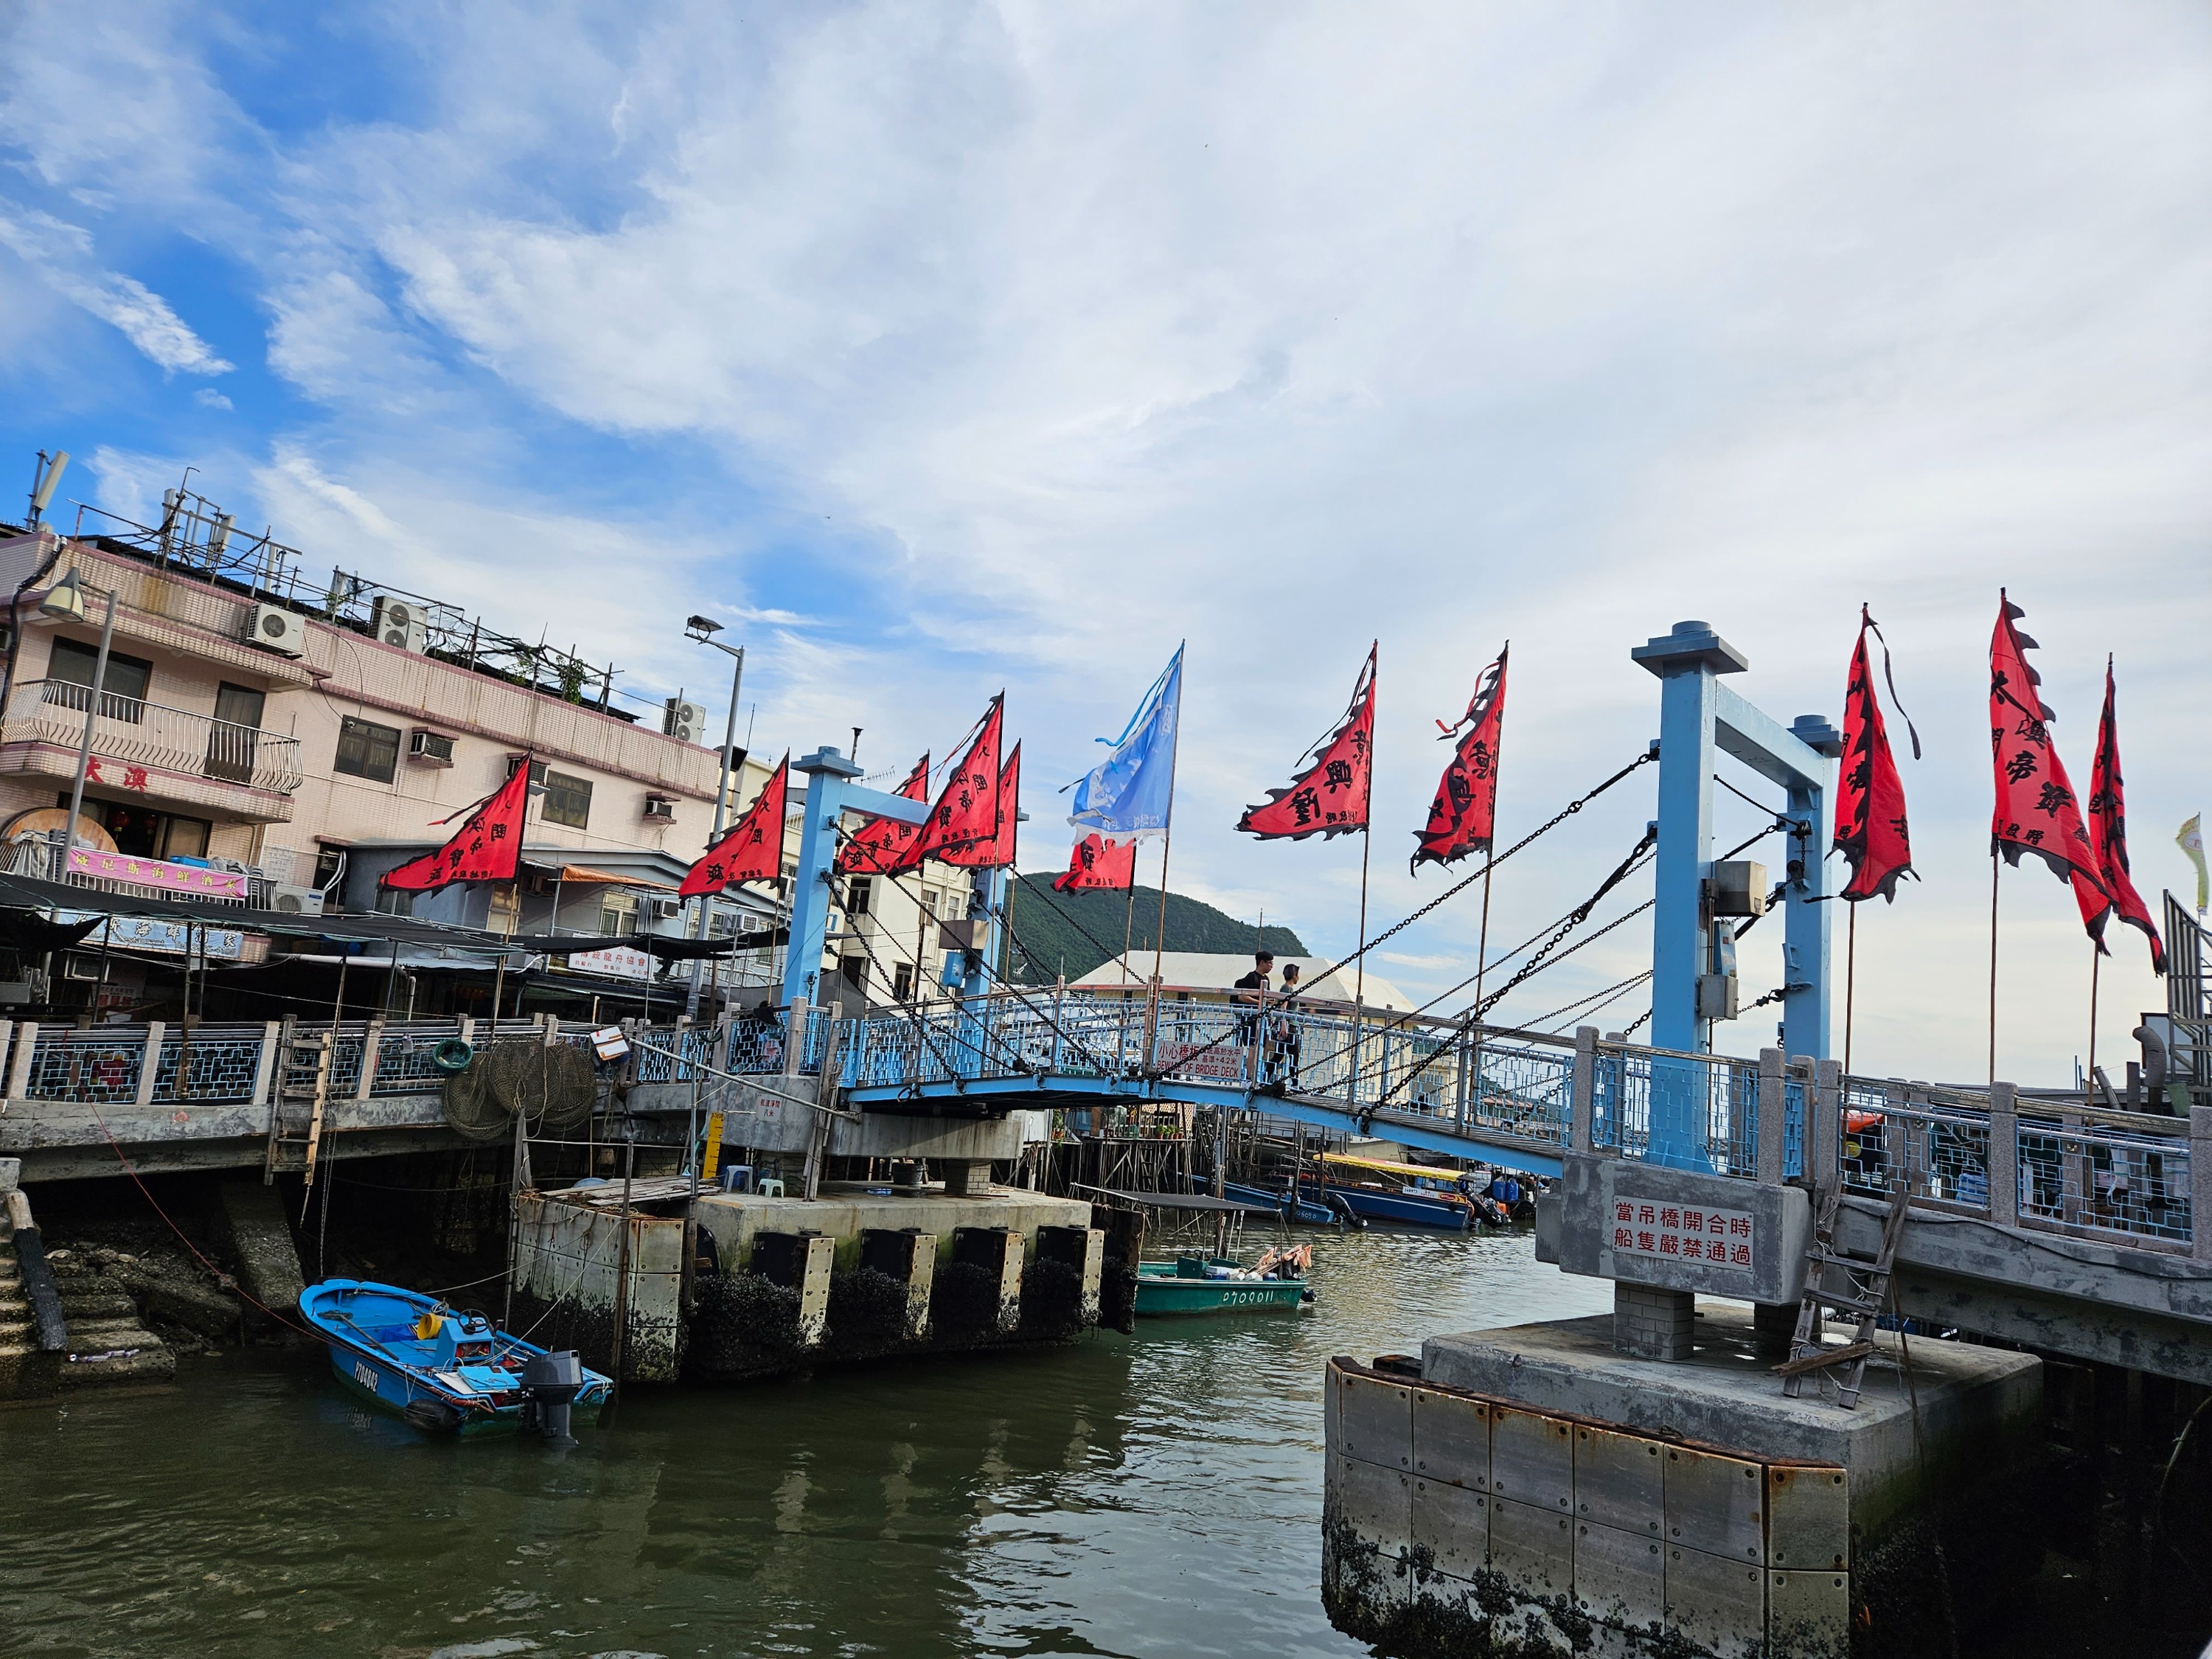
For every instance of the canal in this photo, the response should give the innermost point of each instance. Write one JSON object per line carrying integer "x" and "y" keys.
{"x": 1150, "y": 1495}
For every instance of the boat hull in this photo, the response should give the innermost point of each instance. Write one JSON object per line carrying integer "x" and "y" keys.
{"x": 1406, "y": 1211}
{"x": 1308, "y": 1213}
{"x": 390, "y": 1390}
{"x": 1164, "y": 1295}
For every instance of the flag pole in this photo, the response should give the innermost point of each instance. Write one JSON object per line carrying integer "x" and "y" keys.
{"x": 1482, "y": 939}
{"x": 1366, "y": 847}
{"x": 1167, "y": 830}
{"x": 1129, "y": 917}
{"x": 2096, "y": 964}
{"x": 1851, "y": 983}
{"x": 1993, "y": 962}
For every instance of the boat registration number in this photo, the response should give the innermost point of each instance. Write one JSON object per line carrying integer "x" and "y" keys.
{"x": 365, "y": 1375}
{"x": 1246, "y": 1298}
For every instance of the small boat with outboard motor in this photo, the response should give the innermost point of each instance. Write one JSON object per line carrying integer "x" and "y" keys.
{"x": 445, "y": 1371}
{"x": 1420, "y": 1196}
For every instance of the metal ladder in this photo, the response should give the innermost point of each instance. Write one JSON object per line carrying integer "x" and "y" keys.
{"x": 302, "y": 1080}
{"x": 1860, "y": 1288}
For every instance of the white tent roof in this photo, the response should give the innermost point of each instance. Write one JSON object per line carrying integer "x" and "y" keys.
{"x": 1199, "y": 971}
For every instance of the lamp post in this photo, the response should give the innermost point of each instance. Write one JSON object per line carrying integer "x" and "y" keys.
{"x": 702, "y": 630}
{"x": 65, "y": 603}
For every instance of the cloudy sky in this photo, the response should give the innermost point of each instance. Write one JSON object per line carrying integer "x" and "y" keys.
{"x": 944, "y": 348}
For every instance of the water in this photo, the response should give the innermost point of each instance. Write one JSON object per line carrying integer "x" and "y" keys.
{"x": 1157, "y": 1494}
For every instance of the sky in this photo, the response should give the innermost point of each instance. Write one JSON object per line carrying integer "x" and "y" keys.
{"x": 939, "y": 350}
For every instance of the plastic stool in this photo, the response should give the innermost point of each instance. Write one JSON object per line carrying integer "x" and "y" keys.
{"x": 771, "y": 1187}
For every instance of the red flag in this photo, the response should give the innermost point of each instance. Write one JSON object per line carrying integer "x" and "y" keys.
{"x": 751, "y": 849}
{"x": 1871, "y": 829}
{"x": 487, "y": 848}
{"x": 1330, "y": 797}
{"x": 2036, "y": 810}
{"x": 2108, "y": 836}
{"x": 963, "y": 827}
{"x": 1461, "y": 819}
{"x": 1010, "y": 810}
{"x": 879, "y": 847}
{"x": 1093, "y": 863}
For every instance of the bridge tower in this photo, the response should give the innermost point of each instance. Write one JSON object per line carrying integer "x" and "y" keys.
{"x": 1693, "y": 935}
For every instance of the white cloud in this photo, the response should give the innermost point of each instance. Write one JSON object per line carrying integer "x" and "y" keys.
{"x": 209, "y": 397}
{"x": 62, "y": 255}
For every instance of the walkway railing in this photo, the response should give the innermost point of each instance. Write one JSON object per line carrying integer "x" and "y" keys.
{"x": 135, "y": 733}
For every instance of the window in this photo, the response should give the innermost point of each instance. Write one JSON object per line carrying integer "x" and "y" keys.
{"x": 617, "y": 913}
{"x": 854, "y": 971}
{"x": 394, "y": 901}
{"x": 566, "y": 800}
{"x": 367, "y": 749}
{"x": 233, "y": 740}
{"x": 143, "y": 833}
{"x": 902, "y": 982}
{"x": 858, "y": 889}
{"x": 128, "y": 678}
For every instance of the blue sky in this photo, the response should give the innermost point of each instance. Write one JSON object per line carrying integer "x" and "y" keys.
{"x": 946, "y": 347}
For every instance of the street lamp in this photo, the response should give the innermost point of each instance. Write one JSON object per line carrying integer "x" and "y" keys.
{"x": 701, "y": 631}
{"x": 64, "y": 602}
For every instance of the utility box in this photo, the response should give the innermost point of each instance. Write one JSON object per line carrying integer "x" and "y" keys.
{"x": 1738, "y": 888}
{"x": 1716, "y": 996}
{"x": 908, "y": 1255}
{"x": 799, "y": 1261}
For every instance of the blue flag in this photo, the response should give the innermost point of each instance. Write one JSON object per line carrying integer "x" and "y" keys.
{"x": 1132, "y": 793}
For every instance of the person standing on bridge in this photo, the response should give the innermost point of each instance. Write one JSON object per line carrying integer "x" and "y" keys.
{"x": 1283, "y": 1038}
{"x": 1249, "y": 993}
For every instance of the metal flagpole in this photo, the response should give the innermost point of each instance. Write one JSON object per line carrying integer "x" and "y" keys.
{"x": 2096, "y": 963}
{"x": 1167, "y": 830}
{"x": 1129, "y": 919}
{"x": 1993, "y": 963}
{"x": 1366, "y": 847}
{"x": 1851, "y": 983}
{"x": 1482, "y": 939}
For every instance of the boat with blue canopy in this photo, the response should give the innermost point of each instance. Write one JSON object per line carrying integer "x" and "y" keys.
{"x": 443, "y": 1371}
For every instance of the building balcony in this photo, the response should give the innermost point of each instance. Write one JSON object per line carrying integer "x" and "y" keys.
{"x": 168, "y": 755}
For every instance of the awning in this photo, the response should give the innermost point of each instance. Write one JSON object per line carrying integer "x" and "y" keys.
{"x": 577, "y": 875}
{"x": 1185, "y": 1202}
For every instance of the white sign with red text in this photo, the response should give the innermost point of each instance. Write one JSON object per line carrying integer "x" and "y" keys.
{"x": 1688, "y": 1232}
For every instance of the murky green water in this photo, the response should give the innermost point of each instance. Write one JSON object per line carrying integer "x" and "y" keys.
{"x": 1151, "y": 1495}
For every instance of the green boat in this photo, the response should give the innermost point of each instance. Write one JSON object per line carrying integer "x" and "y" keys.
{"x": 1183, "y": 1286}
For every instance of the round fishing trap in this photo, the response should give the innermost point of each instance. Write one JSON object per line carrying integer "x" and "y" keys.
{"x": 470, "y": 1112}
{"x": 552, "y": 1084}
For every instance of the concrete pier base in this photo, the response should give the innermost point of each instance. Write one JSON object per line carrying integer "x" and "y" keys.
{"x": 1652, "y": 1323}
{"x": 1534, "y": 1491}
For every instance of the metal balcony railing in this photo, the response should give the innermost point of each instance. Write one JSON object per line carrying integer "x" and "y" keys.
{"x": 131, "y": 732}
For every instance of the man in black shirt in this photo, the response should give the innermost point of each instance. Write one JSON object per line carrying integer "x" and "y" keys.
{"x": 1248, "y": 992}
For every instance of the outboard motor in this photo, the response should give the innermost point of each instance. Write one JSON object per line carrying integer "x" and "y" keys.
{"x": 550, "y": 1383}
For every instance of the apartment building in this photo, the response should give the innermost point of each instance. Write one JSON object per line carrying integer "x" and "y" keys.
{"x": 320, "y": 738}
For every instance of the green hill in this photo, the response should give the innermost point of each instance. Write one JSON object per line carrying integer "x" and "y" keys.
{"x": 1051, "y": 929}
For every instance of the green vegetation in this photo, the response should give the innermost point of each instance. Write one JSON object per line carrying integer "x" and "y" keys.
{"x": 1052, "y": 928}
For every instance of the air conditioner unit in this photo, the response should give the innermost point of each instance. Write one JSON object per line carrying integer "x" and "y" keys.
{"x": 297, "y": 900}
{"x": 667, "y": 908}
{"x": 659, "y": 809}
{"x": 685, "y": 722}
{"x": 401, "y": 623}
{"x": 748, "y": 922}
{"x": 430, "y": 748}
{"x": 276, "y": 629}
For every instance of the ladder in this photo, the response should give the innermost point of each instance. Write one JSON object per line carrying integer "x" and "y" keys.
{"x": 1838, "y": 1282}
{"x": 298, "y": 1094}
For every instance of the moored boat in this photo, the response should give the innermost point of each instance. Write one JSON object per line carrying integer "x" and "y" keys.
{"x": 446, "y": 1371}
{"x": 1208, "y": 1284}
{"x": 1306, "y": 1210}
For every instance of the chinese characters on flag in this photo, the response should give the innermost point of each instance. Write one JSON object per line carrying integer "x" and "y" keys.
{"x": 1010, "y": 810}
{"x": 963, "y": 826}
{"x": 489, "y": 847}
{"x": 1688, "y": 1232}
{"x": 2108, "y": 839}
{"x": 1329, "y": 797}
{"x": 1462, "y": 814}
{"x": 1094, "y": 862}
{"x": 751, "y": 849}
{"x": 2036, "y": 809}
{"x": 879, "y": 847}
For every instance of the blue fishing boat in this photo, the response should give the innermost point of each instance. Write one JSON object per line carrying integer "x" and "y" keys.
{"x": 446, "y": 1371}
{"x": 1307, "y": 1211}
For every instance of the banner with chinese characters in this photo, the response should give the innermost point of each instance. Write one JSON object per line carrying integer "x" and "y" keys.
{"x": 156, "y": 872}
{"x": 1688, "y": 1232}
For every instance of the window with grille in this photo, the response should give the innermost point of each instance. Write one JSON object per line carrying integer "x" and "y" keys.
{"x": 566, "y": 800}
{"x": 367, "y": 749}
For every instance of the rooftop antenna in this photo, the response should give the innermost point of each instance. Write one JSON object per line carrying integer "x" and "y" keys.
{"x": 43, "y": 477}
{"x": 855, "y": 753}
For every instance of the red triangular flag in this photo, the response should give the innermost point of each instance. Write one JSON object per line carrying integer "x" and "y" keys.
{"x": 487, "y": 848}
{"x": 1095, "y": 863}
{"x": 2036, "y": 810}
{"x": 963, "y": 827}
{"x": 2108, "y": 837}
{"x": 1871, "y": 827}
{"x": 1462, "y": 817}
{"x": 751, "y": 849}
{"x": 879, "y": 847}
{"x": 1010, "y": 810}
{"x": 1330, "y": 797}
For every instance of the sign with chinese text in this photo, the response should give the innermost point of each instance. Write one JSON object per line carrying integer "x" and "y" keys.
{"x": 1686, "y": 1232}
{"x": 156, "y": 872}
{"x": 623, "y": 961}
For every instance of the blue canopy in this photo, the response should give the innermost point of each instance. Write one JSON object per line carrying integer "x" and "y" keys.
{"x": 1132, "y": 793}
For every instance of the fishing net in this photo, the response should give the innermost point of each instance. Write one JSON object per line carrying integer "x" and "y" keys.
{"x": 552, "y": 1084}
{"x": 470, "y": 1112}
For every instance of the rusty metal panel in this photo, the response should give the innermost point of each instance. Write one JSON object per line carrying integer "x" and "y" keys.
{"x": 1620, "y": 1576}
{"x": 1809, "y": 1519}
{"x": 1620, "y": 1481}
{"x": 1809, "y": 1614}
{"x": 1714, "y": 1602}
{"x": 1453, "y": 1522}
{"x": 1375, "y": 1421}
{"x": 1331, "y": 1403}
{"x": 1376, "y": 1503}
{"x": 1532, "y": 1549}
{"x": 1451, "y": 1440}
{"x": 1532, "y": 1459}
{"x": 1716, "y": 1504}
